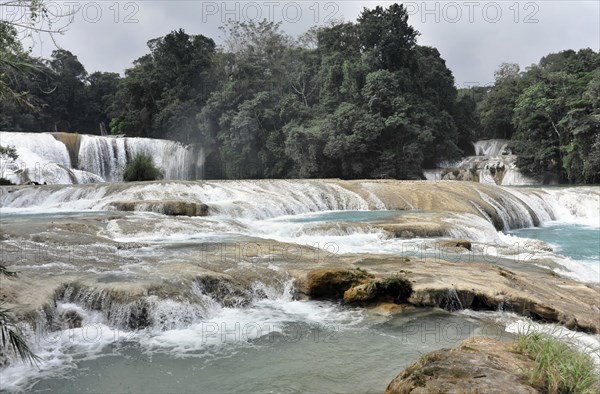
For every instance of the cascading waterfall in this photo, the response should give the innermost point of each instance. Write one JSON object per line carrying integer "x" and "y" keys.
{"x": 41, "y": 159}
{"x": 492, "y": 148}
{"x": 492, "y": 164}
{"x": 265, "y": 199}
{"x": 65, "y": 158}
{"x": 249, "y": 300}
{"x": 239, "y": 199}
{"x": 107, "y": 157}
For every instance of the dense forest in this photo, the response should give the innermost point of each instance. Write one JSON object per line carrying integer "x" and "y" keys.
{"x": 352, "y": 100}
{"x": 550, "y": 112}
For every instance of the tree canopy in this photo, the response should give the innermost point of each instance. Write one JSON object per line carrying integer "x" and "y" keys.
{"x": 349, "y": 100}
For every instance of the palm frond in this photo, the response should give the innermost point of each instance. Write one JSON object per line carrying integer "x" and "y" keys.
{"x": 6, "y": 272}
{"x": 12, "y": 338}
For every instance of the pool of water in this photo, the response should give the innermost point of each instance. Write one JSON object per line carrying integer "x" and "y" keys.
{"x": 577, "y": 242}
{"x": 328, "y": 356}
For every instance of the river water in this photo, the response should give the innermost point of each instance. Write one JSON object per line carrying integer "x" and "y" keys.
{"x": 275, "y": 343}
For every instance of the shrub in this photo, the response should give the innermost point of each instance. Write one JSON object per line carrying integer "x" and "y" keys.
{"x": 557, "y": 367}
{"x": 141, "y": 168}
{"x": 398, "y": 286}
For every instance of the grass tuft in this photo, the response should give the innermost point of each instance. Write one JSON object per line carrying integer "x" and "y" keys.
{"x": 557, "y": 367}
{"x": 141, "y": 168}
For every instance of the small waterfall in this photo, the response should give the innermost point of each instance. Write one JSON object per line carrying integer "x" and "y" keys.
{"x": 492, "y": 148}
{"x": 42, "y": 159}
{"x": 107, "y": 156}
{"x": 202, "y": 299}
{"x": 576, "y": 205}
{"x": 493, "y": 164}
{"x": 62, "y": 158}
{"x": 513, "y": 212}
{"x": 450, "y": 301}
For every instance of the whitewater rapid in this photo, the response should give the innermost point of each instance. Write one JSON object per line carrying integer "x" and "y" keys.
{"x": 271, "y": 209}
{"x": 336, "y": 216}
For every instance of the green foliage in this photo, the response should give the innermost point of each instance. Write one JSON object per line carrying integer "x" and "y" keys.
{"x": 8, "y": 152}
{"x": 11, "y": 337}
{"x": 496, "y": 109}
{"x": 397, "y": 285}
{"x": 350, "y": 100}
{"x": 557, "y": 117}
{"x": 557, "y": 367}
{"x": 141, "y": 168}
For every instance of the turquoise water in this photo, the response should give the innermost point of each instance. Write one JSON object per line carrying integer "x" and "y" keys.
{"x": 576, "y": 241}
{"x": 326, "y": 358}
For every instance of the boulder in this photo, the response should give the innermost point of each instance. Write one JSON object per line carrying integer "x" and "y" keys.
{"x": 478, "y": 365}
{"x": 455, "y": 243}
{"x": 166, "y": 207}
{"x": 333, "y": 282}
{"x": 395, "y": 288}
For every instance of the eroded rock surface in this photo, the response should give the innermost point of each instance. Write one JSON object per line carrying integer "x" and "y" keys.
{"x": 478, "y": 365}
{"x": 167, "y": 207}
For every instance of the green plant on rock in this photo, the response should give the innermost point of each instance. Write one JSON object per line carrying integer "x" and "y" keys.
{"x": 398, "y": 286}
{"x": 142, "y": 168}
{"x": 11, "y": 337}
{"x": 557, "y": 366}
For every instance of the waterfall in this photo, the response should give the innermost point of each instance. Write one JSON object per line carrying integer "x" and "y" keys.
{"x": 492, "y": 148}
{"x": 107, "y": 156}
{"x": 41, "y": 159}
{"x": 506, "y": 208}
{"x": 246, "y": 199}
{"x": 493, "y": 164}
{"x": 63, "y": 158}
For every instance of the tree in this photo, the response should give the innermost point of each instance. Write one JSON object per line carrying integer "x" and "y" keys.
{"x": 557, "y": 117}
{"x": 163, "y": 92}
{"x": 386, "y": 36}
{"x": 497, "y": 107}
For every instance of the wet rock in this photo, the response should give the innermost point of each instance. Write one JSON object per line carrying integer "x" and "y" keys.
{"x": 333, "y": 282}
{"x": 395, "y": 288}
{"x": 478, "y": 365}
{"x": 458, "y": 243}
{"x": 72, "y": 319}
{"x": 225, "y": 290}
{"x": 389, "y": 308}
{"x": 166, "y": 207}
{"x": 361, "y": 293}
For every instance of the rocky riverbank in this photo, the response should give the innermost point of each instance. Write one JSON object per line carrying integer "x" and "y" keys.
{"x": 125, "y": 248}
{"x": 478, "y": 365}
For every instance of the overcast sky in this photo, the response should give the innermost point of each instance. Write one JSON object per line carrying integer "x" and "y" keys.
{"x": 473, "y": 36}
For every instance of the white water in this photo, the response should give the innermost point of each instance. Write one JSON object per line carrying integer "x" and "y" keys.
{"x": 44, "y": 159}
{"x": 492, "y": 147}
{"x": 266, "y": 209}
{"x": 207, "y": 331}
{"x": 107, "y": 157}
{"x": 493, "y": 164}
{"x": 238, "y": 199}
{"x": 260, "y": 208}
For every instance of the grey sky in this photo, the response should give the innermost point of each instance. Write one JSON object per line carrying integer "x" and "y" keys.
{"x": 473, "y": 36}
